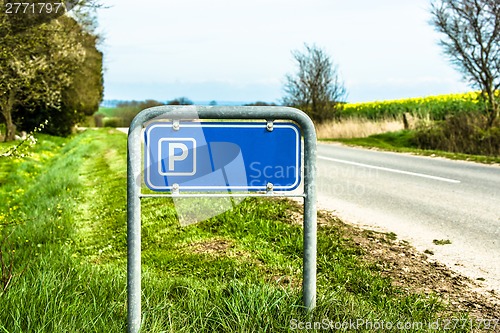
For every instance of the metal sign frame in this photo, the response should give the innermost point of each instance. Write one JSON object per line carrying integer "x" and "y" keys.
{"x": 134, "y": 195}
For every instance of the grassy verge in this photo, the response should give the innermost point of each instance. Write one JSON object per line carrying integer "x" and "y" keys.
{"x": 400, "y": 141}
{"x": 64, "y": 230}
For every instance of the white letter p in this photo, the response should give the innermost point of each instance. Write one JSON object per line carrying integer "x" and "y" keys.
{"x": 172, "y": 158}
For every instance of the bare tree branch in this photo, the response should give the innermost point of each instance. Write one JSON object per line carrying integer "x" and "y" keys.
{"x": 316, "y": 86}
{"x": 472, "y": 44}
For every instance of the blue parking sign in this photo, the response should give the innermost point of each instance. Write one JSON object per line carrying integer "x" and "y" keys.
{"x": 222, "y": 156}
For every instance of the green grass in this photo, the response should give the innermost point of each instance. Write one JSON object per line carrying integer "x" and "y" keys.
{"x": 64, "y": 225}
{"x": 107, "y": 112}
{"x": 391, "y": 140}
{"x": 401, "y": 141}
{"x": 441, "y": 241}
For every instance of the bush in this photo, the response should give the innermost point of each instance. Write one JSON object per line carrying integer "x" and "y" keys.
{"x": 113, "y": 122}
{"x": 123, "y": 114}
{"x": 461, "y": 133}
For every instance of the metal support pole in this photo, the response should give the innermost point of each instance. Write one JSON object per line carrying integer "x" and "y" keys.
{"x": 134, "y": 229}
{"x": 310, "y": 220}
{"x": 134, "y": 179}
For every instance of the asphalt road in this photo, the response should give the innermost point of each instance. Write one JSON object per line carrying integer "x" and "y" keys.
{"x": 420, "y": 199}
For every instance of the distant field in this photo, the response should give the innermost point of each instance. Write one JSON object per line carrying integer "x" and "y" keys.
{"x": 107, "y": 112}
{"x": 453, "y": 125}
{"x": 63, "y": 228}
{"x": 431, "y": 107}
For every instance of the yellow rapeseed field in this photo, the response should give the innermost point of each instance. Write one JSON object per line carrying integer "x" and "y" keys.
{"x": 433, "y": 107}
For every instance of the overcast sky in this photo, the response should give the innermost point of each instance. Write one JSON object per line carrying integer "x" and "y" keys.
{"x": 240, "y": 50}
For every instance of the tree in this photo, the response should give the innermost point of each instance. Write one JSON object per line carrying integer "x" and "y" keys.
{"x": 80, "y": 98}
{"x": 35, "y": 66}
{"x": 316, "y": 87}
{"x": 49, "y": 71}
{"x": 472, "y": 44}
{"x": 260, "y": 103}
{"x": 180, "y": 101}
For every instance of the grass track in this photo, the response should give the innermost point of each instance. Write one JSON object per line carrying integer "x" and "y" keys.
{"x": 237, "y": 272}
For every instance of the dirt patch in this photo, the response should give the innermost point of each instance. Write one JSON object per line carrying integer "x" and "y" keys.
{"x": 413, "y": 271}
{"x": 286, "y": 281}
{"x": 219, "y": 247}
{"x": 215, "y": 246}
